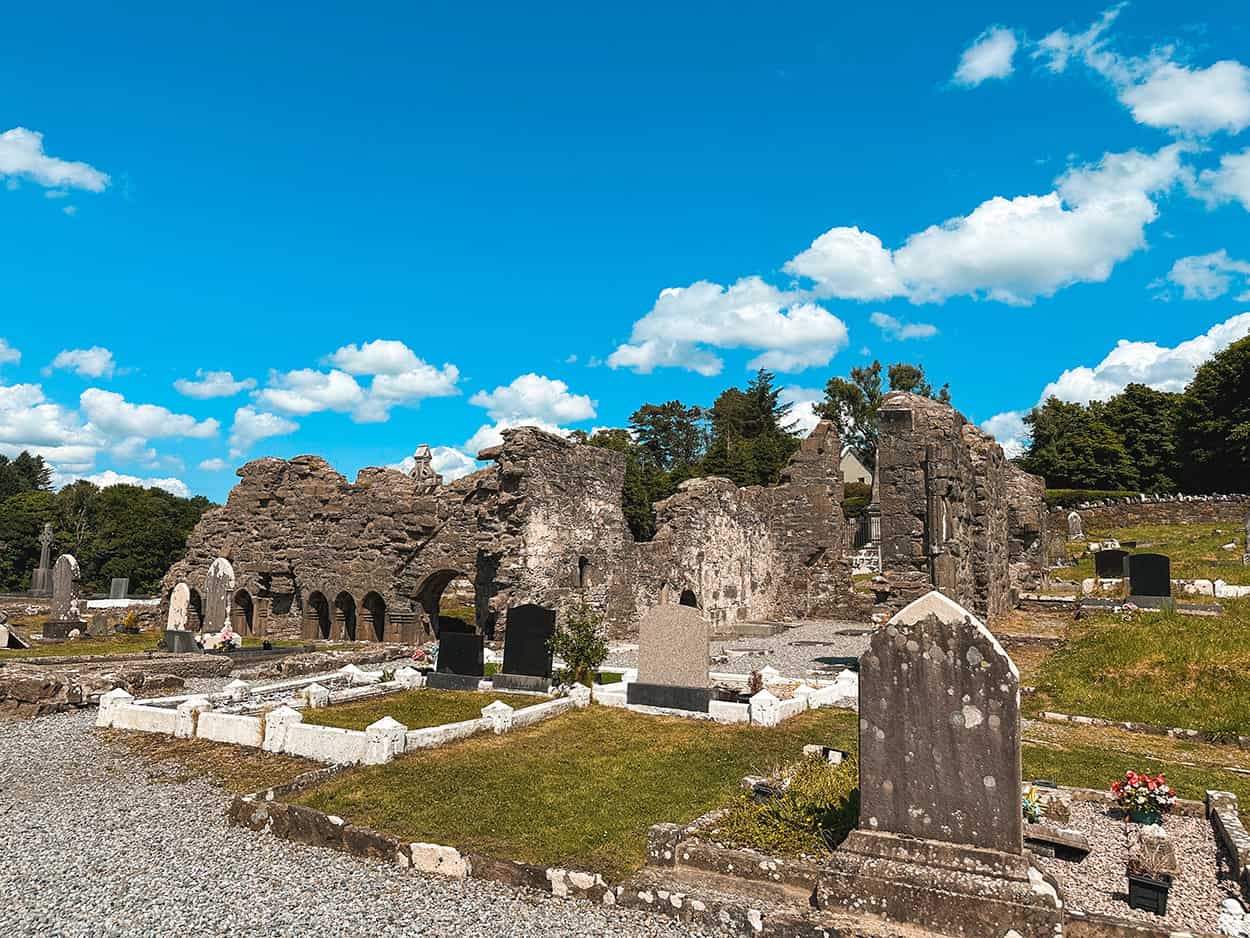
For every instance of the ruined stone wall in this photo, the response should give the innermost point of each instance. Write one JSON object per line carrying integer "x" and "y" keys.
{"x": 1028, "y": 529}
{"x": 1193, "y": 509}
{"x": 944, "y": 514}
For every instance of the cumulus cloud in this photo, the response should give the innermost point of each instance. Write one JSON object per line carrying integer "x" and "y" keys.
{"x": 307, "y": 391}
{"x": 1009, "y": 250}
{"x": 8, "y": 354}
{"x": 1158, "y": 90}
{"x": 1009, "y": 430}
{"x": 447, "y": 461}
{"x": 802, "y": 403}
{"x": 1230, "y": 182}
{"x": 989, "y": 56}
{"x": 210, "y": 384}
{"x": 215, "y": 464}
{"x": 379, "y": 357}
{"x": 94, "y": 362}
{"x": 1209, "y": 276}
{"x": 789, "y": 332}
{"x": 30, "y": 421}
{"x": 109, "y": 477}
{"x": 900, "y": 331}
{"x": 251, "y": 426}
{"x": 22, "y": 156}
{"x": 119, "y": 419}
{"x": 537, "y": 397}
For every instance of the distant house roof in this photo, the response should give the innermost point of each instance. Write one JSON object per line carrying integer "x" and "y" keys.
{"x": 853, "y": 470}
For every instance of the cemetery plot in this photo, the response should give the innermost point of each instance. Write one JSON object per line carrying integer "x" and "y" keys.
{"x": 416, "y": 709}
{"x": 1197, "y": 551}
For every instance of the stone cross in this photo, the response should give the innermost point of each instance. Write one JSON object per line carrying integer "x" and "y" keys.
{"x": 939, "y": 730}
{"x": 218, "y": 591}
{"x": 423, "y": 467}
{"x": 41, "y": 581}
{"x": 45, "y": 545}
{"x": 179, "y": 602}
{"x": 1075, "y": 530}
{"x": 67, "y": 603}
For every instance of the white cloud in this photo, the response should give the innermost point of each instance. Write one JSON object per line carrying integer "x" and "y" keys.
{"x": 307, "y": 391}
{"x": 216, "y": 464}
{"x": 109, "y": 477}
{"x": 116, "y": 417}
{"x": 94, "y": 362}
{"x": 1010, "y": 250}
{"x": 489, "y": 435}
{"x": 8, "y": 354}
{"x": 898, "y": 330}
{"x": 1209, "y": 276}
{"x": 1229, "y": 183}
{"x": 210, "y": 384}
{"x": 536, "y": 397}
{"x": 1009, "y": 430}
{"x": 251, "y": 426}
{"x": 803, "y": 402}
{"x": 28, "y": 420}
{"x": 789, "y": 333}
{"x": 989, "y": 56}
{"x": 447, "y": 461}
{"x": 1157, "y": 89}
{"x": 379, "y": 357}
{"x": 22, "y": 155}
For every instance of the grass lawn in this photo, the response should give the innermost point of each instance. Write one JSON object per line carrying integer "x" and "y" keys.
{"x": 1161, "y": 667}
{"x": 416, "y": 709}
{"x": 1196, "y": 550}
{"x": 579, "y": 790}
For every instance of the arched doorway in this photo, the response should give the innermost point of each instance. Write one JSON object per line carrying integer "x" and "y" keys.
{"x": 195, "y": 612}
{"x": 448, "y": 598}
{"x": 318, "y": 613}
{"x": 688, "y": 598}
{"x": 345, "y": 615}
{"x": 374, "y": 608}
{"x": 242, "y": 612}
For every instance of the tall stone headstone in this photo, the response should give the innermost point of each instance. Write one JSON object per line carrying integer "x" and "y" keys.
{"x": 673, "y": 646}
{"x": 939, "y": 774}
{"x": 179, "y": 605}
{"x": 41, "y": 579}
{"x": 1076, "y": 532}
{"x": 218, "y": 590}
{"x": 527, "y": 649}
{"x": 68, "y": 606}
{"x": 119, "y": 587}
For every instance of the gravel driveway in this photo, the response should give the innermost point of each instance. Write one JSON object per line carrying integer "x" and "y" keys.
{"x": 93, "y": 846}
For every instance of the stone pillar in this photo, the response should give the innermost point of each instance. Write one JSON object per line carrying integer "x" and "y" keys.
{"x": 277, "y": 722}
{"x": 386, "y": 740}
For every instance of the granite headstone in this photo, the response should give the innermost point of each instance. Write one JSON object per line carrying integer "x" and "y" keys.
{"x": 527, "y": 649}
{"x": 1076, "y": 531}
{"x": 1109, "y": 564}
{"x": 673, "y": 647}
{"x": 218, "y": 590}
{"x": 461, "y": 661}
{"x": 1149, "y": 578}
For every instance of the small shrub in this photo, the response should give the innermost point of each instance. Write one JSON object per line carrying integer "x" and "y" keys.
{"x": 580, "y": 642}
{"x": 755, "y": 683}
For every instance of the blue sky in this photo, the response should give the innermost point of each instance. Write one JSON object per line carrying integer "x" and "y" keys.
{"x": 396, "y": 224}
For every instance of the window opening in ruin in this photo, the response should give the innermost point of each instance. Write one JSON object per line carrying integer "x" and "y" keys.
{"x": 585, "y": 573}
{"x": 345, "y": 615}
{"x": 374, "y": 616}
{"x": 456, "y": 607}
{"x": 688, "y": 598}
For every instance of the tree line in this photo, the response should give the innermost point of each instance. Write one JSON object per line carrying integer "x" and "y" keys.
{"x": 1194, "y": 441}
{"x": 118, "y": 531}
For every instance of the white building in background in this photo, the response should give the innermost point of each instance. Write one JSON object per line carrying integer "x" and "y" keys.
{"x": 853, "y": 470}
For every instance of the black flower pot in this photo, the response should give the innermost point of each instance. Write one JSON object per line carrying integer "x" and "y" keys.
{"x": 1149, "y": 893}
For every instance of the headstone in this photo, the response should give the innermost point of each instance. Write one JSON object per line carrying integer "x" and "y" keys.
{"x": 526, "y": 649}
{"x": 1109, "y": 564}
{"x": 1149, "y": 579}
{"x": 119, "y": 588}
{"x": 673, "y": 647}
{"x": 67, "y": 603}
{"x": 180, "y": 641}
{"x": 41, "y": 579}
{"x": 461, "y": 661}
{"x": 1075, "y": 531}
{"x": 179, "y": 604}
{"x": 9, "y": 638}
{"x": 940, "y": 784}
{"x": 218, "y": 590}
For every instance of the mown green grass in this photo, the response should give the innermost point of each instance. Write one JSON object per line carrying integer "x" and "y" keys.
{"x": 1196, "y": 550}
{"x": 1154, "y": 667}
{"x": 578, "y": 791}
{"x": 415, "y": 709}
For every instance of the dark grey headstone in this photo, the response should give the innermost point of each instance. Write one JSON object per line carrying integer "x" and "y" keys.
{"x": 440, "y": 680}
{"x": 502, "y": 681}
{"x": 461, "y": 653}
{"x": 1148, "y": 575}
{"x": 939, "y": 730}
{"x": 180, "y": 641}
{"x": 526, "y": 644}
{"x": 119, "y": 588}
{"x": 666, "y": 695}
{"x": 1109, "y": 564}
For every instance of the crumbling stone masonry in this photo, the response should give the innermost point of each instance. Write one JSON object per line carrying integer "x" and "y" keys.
{"x": 1028, "y": 529}
{"x": 317, "y": 556}
{"x": 944, "y": 508}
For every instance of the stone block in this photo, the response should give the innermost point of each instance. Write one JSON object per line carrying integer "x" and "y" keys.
{"x": 499, "y": 715}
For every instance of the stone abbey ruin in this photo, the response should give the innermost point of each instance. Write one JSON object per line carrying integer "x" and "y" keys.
{"x": 316, "y": 556}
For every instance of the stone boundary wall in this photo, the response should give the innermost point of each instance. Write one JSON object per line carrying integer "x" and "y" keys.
{"x": 1187, "y": 509}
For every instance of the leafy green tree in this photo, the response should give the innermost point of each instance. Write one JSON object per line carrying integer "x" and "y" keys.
{"x": 1214, "y": 423}
{"x": 1072, "y": 448}
{"x": 580, "y": 643}
{"x": 752, "y": 435}
{"x": 670, "y": 435}
{"x": 1145, "y": 420}
{"x": 22, "y": 517}
{"x": 911, "y": 378}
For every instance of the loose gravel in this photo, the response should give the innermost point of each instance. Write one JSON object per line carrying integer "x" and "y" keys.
{"x": 97, "y": 843}
{"x": 1098, "y": 883}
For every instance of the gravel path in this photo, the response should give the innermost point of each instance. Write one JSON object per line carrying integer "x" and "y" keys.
{"x": 94, "y": 846}
{"x": 789, "y": 652}
{"x": 1098, "y": 883}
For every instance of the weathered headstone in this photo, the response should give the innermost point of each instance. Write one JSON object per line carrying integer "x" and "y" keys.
{"x": 218, "y": 589}
{"x": 1075, "y": 530}
{"x": 673, "y": 646}
{"x": 461, "y": 661}
{"x": 179, "y": 605}
{"x": 67, "y": 602}
{"x": 180, "y": 641}
{"x": 1149, "y": 579}
{"x": 119, "y": 587}
{"x": 1109, "y": 564}
{"x": 41, "y": 579}
{"x": 940, "y": 824}
{"x": 527, "y": 649}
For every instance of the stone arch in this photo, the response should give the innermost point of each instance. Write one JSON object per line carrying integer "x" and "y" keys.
{"x": 345, "y": 616}
{"x": 430, "y": 594}
{"x": 688, "y": 598}
{"x": 317, "y": 615}
{"x": 242, "y": 613}
{"x": 195, "y": 611}
{"x": 585, "y": 573}
{"x": 373, "y": 609}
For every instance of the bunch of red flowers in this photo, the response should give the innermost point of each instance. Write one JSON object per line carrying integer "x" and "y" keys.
{"x": 1140, "y": 792}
